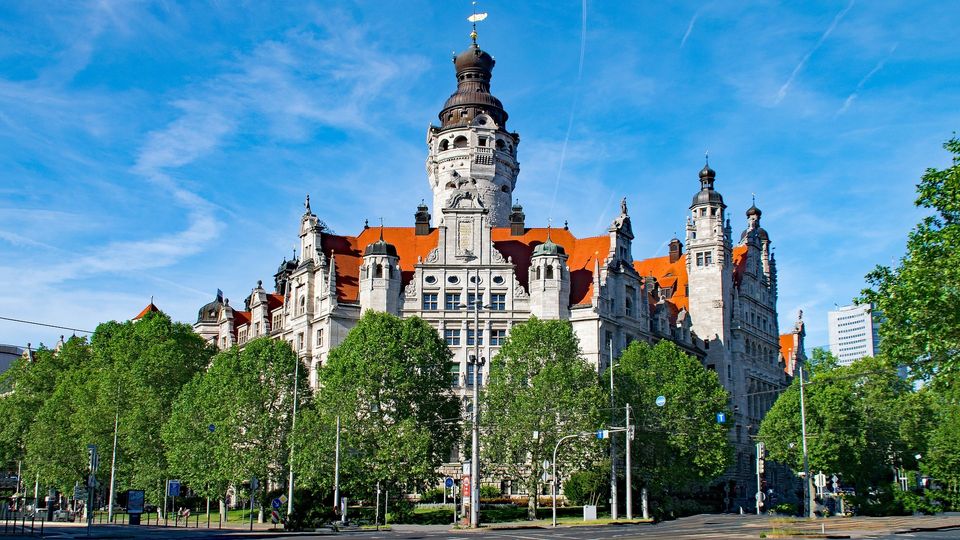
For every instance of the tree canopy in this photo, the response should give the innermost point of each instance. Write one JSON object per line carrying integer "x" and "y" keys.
{"x": 679, "y": 445}
{"x": 539, "y": 382}
{"x": 389, "y": 385}
{"x": 862, "y": 420}
{"x": 919, "y": 297}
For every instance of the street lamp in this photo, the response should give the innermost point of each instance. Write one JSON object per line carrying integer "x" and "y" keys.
{"x": 477, "y": 362}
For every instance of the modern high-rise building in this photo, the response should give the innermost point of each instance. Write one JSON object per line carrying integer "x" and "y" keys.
{"x": 853, "y": 332}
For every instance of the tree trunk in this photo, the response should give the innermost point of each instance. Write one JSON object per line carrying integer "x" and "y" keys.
{"x": 223, "y": 510}
{"x": 533, "y": 494}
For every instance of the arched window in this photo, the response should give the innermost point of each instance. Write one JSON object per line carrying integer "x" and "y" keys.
{"x": 444, "y": 144}
{"x": 505, "y": 189}
{"x": 501, "y": 146}
{"x": 460, "y": 142}
{"x": 549, "y": 272}
{"x": 536, "y": 273}
{"x": 378, "y": 271}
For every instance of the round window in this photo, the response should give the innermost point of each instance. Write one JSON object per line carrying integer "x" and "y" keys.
{"x": 475, "y": 279}
{"x": 498, "y": 280}
{"x": 430, "y": 279}
{"x": 453, "y": 279}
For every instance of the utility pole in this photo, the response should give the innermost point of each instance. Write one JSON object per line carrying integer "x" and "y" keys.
{"x": 113, "y": 467}
{"x": 806, "y": 464}
{"x": 475, "y": 442}
{"x": 629, "y": 471}
{"x": 613, "y": 448}
{"x": 760, "y": 462}
{"x": 336, "y": 473}
{"x": 293, "y": 425}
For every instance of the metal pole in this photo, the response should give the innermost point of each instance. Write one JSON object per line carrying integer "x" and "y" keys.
{"x": 376, "y": 514}
{"x": 336, "y": 472}
{"x": 113, "y": 466}
{"x": 806, "y": 464}
{"x": 613, "y": 448}
{"x": 293, "y": 425}
{"x": 554, "y": 490}
{"x": 759, "y": 493}
{"x": 19, "y": 482}
{"x": 36, "y": 493}
{"x": 629, "y": 471}
{"x": 251, "y": 505}
{"x": 475, "y": 446}
{"x": 166, "y": 491}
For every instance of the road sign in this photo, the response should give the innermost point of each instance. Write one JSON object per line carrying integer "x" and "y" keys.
{"x": 274, "y": 517}
{"x": 661, "y": 401}
{"x": 820, "y": 480}
{"x": 760, "y": 496}
{"x": 254, "y": 484}
{"x": 721, "y": 417}
{"x": 212, "y": 428}
{"x": 79, "y": 492}
{"x": 173, "y": 488}
{"x": 448, "y": 482}
{"x": 546, "y": 464}
{"x": 283, "y": 499}
{"x": 276, "y": 503}
{"x": 603, "y": 434}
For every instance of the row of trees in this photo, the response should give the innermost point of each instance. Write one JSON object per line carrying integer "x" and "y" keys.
{"x": 215, "y": 420}
{"x": 865, "y": 420}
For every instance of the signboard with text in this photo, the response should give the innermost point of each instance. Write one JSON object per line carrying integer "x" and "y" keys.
{"x": 135, "y": 501}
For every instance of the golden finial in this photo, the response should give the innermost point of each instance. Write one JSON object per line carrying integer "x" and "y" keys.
{"x": 475, "y": 18}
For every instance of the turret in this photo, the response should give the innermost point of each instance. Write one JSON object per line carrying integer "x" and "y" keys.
{"x": 380, "y": 284}
{"x": 549, "y": 281}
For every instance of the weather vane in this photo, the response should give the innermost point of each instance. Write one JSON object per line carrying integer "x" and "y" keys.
{"x": 475, "y": 18}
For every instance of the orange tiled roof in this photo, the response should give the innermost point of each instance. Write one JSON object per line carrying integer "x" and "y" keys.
{"x": 274, "y": 301}
{"x": 668, "y": 274}
{"x": 348, "y": 252}
{"x": 739, "y": 264}
{"x": 581, "y": 254}
{"x": 149, "y": 309}
{"x": 786, "y": 347}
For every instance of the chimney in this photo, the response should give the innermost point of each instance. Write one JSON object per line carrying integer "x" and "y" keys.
{"x": 516, "y": 221}
{"x": 676, "y": 249}
{"x": 422, "y": 218}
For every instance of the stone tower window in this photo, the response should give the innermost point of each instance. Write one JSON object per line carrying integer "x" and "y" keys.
{"x": 500, "y": 145}
{"x": 460, "y": 142}
{"x": 444, "y": 144}
{"x": 549, "y": 272}
{"x": 378, "y": 271}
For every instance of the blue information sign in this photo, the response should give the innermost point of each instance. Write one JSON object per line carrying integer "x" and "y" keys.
{"x": 276, "y": 503}
{"x": 173, "y": 488}
{"x": 448, "y": 482}
{"x": 721, "y": 417}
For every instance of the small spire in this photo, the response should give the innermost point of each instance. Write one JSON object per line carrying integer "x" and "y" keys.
{"x": 306, "y": 205}
{"x": 366, "y": 224}
{"x": 623, "y": 206}
{"x": 706, "y": 158}
{"x": 549, "y": 225}
{"x": 381, "y": 229}
{"x": 566, "y": 225}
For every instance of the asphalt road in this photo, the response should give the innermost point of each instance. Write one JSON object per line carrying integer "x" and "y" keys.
{"x": 719, "y": 527}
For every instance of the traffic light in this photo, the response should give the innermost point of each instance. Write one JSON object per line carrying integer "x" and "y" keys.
{"x": 93, "y": 460}
{"x": 761, "y": 451}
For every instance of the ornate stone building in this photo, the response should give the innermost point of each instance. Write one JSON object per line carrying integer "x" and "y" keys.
{"x": 717, "y": 299}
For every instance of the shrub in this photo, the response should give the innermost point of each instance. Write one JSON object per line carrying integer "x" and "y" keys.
{"x": 434, "y": 495}
{"x": 489, "y": 492}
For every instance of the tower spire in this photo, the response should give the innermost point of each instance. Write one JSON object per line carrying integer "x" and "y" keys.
{"x": 475, "y": 18}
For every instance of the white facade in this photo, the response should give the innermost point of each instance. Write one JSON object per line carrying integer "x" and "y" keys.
{"x": 717, "y": 302}
{"x": 853, "y": 332}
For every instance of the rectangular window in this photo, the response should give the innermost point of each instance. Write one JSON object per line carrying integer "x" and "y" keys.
{"x": 707, "y": 258}
{"x": 470, "y": 334}
{"x": 497, "y": 336}
{"x": 498, "y": 302}
{"x": 277, "y": 321}
{"x": 320, "y": 337}
{"x": 452, "y": 336}
{"x": 300, "y": 341}
{"x": 471, "y": 369}
{"x": 242, "y": 336}
{"x": 430, "y": 302}
{"x": 454, "y": 372}
{"x": 475, "y": 300}
{"x": 699, "y": 259}
{"x": 452, "y": 302}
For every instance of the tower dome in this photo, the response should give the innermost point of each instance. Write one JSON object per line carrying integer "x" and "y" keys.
{"x": 707, "y": 195}
{"x": 474, "y": 68}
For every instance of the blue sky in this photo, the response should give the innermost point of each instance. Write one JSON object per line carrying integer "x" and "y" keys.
{"x": 164, "y": 149}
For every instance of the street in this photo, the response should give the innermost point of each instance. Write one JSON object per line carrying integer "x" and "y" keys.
{"x": 703, "y": 526}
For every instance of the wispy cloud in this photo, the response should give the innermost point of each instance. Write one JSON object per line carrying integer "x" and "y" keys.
{"x": 693, "y": 21}
{"x": 782, "y": 93}
{"x": 856, "y": 91}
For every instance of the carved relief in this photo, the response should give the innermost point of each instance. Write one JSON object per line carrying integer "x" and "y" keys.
{"x": 434, "y": 256}
{"x": 518, "y": 292}
{"x": 410, "y": 291}
{"x": 496, "y": 256}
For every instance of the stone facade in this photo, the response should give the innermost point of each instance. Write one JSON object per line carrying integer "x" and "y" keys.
{"x": 717, "y": 301}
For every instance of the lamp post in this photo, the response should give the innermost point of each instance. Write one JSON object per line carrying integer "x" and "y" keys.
{"x": 293, "y": 425}
{"x": 806, "y": 464}
{"x": 613, "y": 449}
{"x": 477, "y": 362}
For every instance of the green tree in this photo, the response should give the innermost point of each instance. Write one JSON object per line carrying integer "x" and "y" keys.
{"x": 539, "y": 382}
{"x": 247, "y": 395}
{"x": 942, "y": 459}
{"x": 919, "y": 298}
{"x": 388, "y": 382}
{"x": 679, "y": 445}
{"x": 862, "y": 420}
